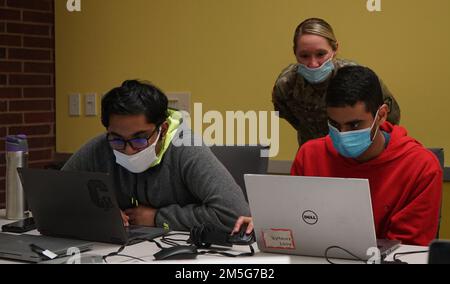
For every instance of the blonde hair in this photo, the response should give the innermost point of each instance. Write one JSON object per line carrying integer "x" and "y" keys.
{"x": 315, "y": 26}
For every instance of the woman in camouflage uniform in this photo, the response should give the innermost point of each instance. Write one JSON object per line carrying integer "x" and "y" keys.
{"x": 299, "y": 92}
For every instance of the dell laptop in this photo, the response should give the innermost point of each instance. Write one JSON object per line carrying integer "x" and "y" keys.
{"x": 79, "y": 205}
{"x": 313, "y": 216}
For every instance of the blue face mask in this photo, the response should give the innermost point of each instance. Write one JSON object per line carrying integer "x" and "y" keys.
{"x": 352, "y": 144}
{"x": 316, "y": 75}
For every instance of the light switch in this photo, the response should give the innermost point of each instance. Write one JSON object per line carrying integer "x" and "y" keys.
{"x": 74, "y": 105}
{"x": 91, "y": 104}
{"x": 180, "y": 100}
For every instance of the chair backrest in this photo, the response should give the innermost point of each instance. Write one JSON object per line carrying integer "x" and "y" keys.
{"x": 439, "y": 152}
{"x": 241, "y": 160}
{"x": 439, "y": 252}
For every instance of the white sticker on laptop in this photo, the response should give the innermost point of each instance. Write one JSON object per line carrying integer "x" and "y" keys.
{"x": 278, "y": 239}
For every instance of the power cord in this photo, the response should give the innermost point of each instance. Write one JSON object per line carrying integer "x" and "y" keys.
{"x": 157, "y": 244}
{"x": 118, "y": 252}
{"x": 132, "y": 257}
{"x": 395, "y": 257}
{"x": 170, "y": 241}
{"x": 343, "y": 249}
{"x": 398, "y": 261}
{"x": 206, "y": 235}
{"x": 167, "y": 240}
{"x": 406, "y": 253}
{"x": 251, "y": 253}
{"x": 169, "y": 237}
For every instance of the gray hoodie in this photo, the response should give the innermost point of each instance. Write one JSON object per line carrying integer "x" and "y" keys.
{"x": 189, "y": 187}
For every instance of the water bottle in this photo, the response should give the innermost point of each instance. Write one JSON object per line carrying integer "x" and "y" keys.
{"x": 16, "y": 157}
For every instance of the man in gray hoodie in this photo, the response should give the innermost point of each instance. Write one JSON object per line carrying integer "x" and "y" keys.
{"x": 159, "y": 180}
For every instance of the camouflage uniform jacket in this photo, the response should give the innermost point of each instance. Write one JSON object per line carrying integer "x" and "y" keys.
{"x": 303, "y": 104}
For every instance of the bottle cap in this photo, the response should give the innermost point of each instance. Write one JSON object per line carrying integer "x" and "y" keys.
{"x": 16, "y": 143}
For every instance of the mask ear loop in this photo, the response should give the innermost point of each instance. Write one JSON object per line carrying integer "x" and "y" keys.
{"x": 323, "y": 64}
{"x": 158, "y": 137}
{"x": 160, "y": 128}
{"x": 333, "y": 56}
{"x": 376, "y": 131}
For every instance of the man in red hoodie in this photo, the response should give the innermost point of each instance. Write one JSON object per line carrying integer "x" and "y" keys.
{"x": 405, "y": 178}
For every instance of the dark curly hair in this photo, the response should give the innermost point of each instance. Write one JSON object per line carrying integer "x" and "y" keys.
{"x": 133, "y": 98}
{"x": 354, "y": 84}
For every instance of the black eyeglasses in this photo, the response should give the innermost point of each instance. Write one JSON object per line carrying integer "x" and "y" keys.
{"x": 137, "y": 143}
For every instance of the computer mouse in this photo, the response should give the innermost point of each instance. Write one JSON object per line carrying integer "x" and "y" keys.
{"x": 177, "y": 252}
{"x": 242, "y": 238}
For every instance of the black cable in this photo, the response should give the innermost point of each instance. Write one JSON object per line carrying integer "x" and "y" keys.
{"x": 169, "y": 243}
{"x": 116, "y": 253}
{"x": 251, "y": 253}
{"x": 166, "y": 239}
{"x": 132, "y": 257}
{"x": 395, "y": 259}
{"x": 122, "y": 255}
{"x": 337, "y": 247}
{"x": 406, "y": 253}
{"x": 176, "y": 240}
{"x": 157, "y": 244}
{"x": 169, "y": 237}
{"x": 177, "y": 234}
{"x": 105, "y": 257}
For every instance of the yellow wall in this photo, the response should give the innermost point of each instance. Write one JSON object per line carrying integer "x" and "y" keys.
{"x": 229, "y": 52}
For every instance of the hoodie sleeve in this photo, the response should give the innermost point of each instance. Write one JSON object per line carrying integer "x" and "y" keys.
{"x": 94, "y": 156}
{"x": 417, "y": 222}
{"x": 221, "y": 200}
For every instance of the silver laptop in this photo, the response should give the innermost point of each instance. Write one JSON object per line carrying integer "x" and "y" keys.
{"x": 314, "y": 216}
{"x": 79, "y": 205}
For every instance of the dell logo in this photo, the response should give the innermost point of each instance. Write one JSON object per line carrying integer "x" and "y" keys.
{"x": 99, "y": 195}
{"x": 310, "y": 217}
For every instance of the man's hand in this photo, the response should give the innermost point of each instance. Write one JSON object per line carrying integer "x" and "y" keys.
{"x": 142, "y": 216}
{"x": 125, "y": 219}
{"x": 243, "y": 221}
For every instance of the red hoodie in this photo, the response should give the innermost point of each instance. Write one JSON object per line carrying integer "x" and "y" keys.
{"x": 405, "y": 183}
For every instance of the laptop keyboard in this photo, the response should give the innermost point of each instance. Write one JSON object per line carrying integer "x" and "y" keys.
{"x": 138, "y": 234}
{"x": 134, "y": 235}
